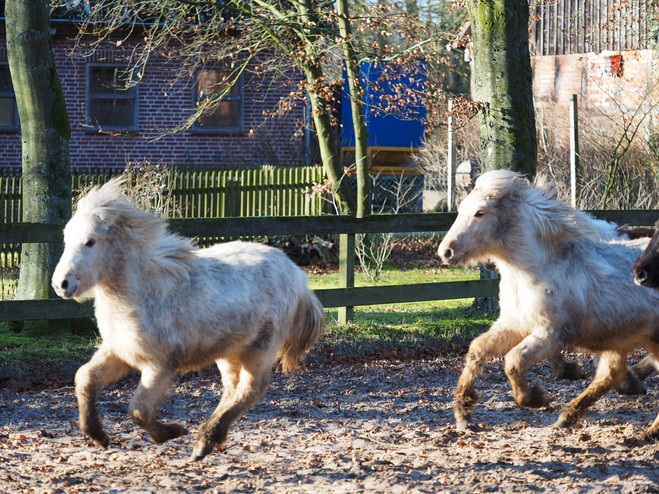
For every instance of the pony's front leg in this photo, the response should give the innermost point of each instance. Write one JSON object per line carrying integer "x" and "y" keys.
{"x": 498, "y": 340}
{"x": 154, "y": 383}
{"x": 519, "y": 359}
{"x": 104, "y": 368}
{"x": 611, "y": 370}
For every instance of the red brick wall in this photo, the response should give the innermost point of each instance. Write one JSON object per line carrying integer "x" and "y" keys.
{"x": 604, "y": 98}
{"x": 271, "y": 140}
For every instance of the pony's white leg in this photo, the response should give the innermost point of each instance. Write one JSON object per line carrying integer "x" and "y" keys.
{"x": 254, "y": 378}
{"x": 498, "y": 340}
{"x": 519, "y": 359}
{"x": 104, "y": 368}
{"x": 154, "y": 383}
{"x": 611, "y": 370}
{"x": 230, "y": 372}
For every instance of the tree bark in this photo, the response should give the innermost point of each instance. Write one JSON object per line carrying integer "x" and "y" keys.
{"x": 357, "y": 109}
{"x": 504, "y": 81}
{"x": 45, "y": 134}
{"x": 321, "y": 114}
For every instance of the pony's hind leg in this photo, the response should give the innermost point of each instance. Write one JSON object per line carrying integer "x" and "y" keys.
{"x": 611, "y": 370}
{"x": 563, "y": 369}
{"x": 251, "y": 379}
{"x": 496, "y": 341}
{"x": 104, "y": 368}
{"x": 154, "y": 383}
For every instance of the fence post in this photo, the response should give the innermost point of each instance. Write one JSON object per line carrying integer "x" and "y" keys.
{"x": 346, "y": 272}
{"x": 574, "y": 148}
{"x": 450, "y": 162}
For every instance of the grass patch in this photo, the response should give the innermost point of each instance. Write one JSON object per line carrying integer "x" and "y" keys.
{"x": 406, "y": 325}
{"x": 43, "y": 359}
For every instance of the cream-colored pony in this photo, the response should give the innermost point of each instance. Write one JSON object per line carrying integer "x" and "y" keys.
{"x": 561, "y": 286}
{"x": 164, "y": 307}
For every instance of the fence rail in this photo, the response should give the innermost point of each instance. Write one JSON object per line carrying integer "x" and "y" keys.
{"x": 335, "y": 297}
{"x": 265, "y": 191}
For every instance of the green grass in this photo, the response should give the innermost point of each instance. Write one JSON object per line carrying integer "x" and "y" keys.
{"x": 40, "y": 359}
{"x": 404, "y": 325}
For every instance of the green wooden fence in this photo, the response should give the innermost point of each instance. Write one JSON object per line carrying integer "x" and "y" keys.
{"x": 265, "y": 191}
{"x": 336, "y": 297}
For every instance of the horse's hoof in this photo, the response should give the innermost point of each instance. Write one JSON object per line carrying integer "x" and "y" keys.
{"x": 536, "y": 398}
{"x": 103, "y": 441}
{"x": 562, "y": 423}
{"x": 461, "y": 425}
{"x": 201, "y": 451}
{"x": 571, "y": 371}
{"x": 632, "y": 386}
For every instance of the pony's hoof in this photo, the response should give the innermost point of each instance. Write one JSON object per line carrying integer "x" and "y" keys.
{"x": 570, "y": 371}
{"x": 461, "y": 425}
{"x": 201, "y": 451}
{"x": 563, "y": 423}
{"x": 103, "y": 441}
{"x": 632, "y": 386}
{"x": 536, "y": 398}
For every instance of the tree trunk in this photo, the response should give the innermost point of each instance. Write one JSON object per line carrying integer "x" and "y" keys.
{"x": 321, "y": 113}
{"x": 45, "y": 134}
{"x": 357, "y": 108}
{"x": 504, "y": 81}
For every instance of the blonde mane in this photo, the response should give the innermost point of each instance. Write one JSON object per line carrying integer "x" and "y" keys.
{"x": 555, "y": 221}
{"x": 111, "y": 209}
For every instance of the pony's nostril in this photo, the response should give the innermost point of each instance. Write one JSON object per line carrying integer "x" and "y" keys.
{"x": 641, "y": 275}
{"x": 65, "y": 284}
{"x": 448, "y": 253}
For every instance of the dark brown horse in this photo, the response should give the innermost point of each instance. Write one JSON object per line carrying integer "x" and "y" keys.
{"x": 646, "y": 268}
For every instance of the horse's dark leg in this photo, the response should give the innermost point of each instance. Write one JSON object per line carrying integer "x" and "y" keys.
{"x": 518, "y": 361}
{"x": 611, "y": 370}
{"x": 563, "y": 369}
{"x": 154, "y": 383}
{"x": 645, "y": 367}
{"x": 498, "y": 340}
{"x": 254, "y": 377}
{"x": 104, "y": 368}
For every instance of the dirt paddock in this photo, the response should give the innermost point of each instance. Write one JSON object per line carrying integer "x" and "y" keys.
{"x": 381, "y": 426}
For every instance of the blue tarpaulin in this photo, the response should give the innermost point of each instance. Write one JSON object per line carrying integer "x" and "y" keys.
{"x": 389, "y": 123}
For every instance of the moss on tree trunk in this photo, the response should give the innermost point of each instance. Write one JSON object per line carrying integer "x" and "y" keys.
{"x": 504, "y": 80}
{"x": 45, "y": 134}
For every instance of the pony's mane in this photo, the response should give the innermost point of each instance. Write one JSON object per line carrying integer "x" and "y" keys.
{"x": 553, "y": 219}
{"x": 112, "y": 209}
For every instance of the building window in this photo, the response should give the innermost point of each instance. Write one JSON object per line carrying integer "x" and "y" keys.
{"x": 8, "y": 108}
{"x": 227, "y": 116}
{"x": 111, "y": 105}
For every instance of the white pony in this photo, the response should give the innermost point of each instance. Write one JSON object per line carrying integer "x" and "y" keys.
{"x": 561, "y": 285}
{"x": 164, "y": 307}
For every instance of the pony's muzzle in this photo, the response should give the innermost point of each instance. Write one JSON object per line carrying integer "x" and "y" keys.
{"x": 66, "y": 287}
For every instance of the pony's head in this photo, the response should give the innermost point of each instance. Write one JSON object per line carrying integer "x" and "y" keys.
{"x": 104, "y": 220}
{"x": 481, "y": 219}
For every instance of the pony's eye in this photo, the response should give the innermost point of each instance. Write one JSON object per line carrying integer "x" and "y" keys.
{"x": 90, "y": 242}
{"x": 479, "y": 214}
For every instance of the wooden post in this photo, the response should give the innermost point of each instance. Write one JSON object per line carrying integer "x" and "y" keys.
{"x": 450, "y": 162}
{"x": 346, "y": 273}
{"x": 574, "y": 148}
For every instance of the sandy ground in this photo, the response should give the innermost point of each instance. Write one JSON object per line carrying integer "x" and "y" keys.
{"x": 381, "y": 426}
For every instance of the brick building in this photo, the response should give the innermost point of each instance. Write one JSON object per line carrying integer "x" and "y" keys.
{"x": 112, "y": 126}
{"x": 600, "y": 50}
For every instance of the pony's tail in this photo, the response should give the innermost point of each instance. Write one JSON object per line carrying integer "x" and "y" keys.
{"x": 308, "y": 326}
